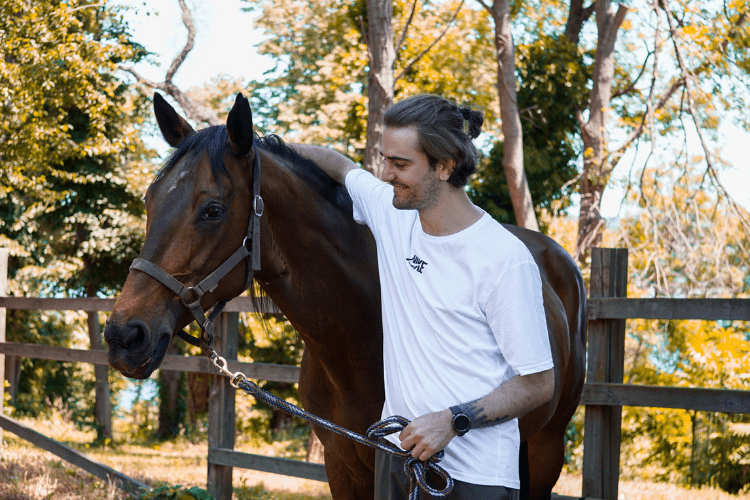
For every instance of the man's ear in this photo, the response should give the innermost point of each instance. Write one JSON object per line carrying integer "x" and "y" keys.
{"x": 445, "y": 168}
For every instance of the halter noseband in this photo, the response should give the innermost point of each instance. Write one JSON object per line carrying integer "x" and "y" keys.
{"x": 250, "y": 248}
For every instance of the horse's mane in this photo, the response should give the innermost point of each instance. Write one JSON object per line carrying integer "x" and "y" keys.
{"x": 307, "y": 170}
{"x": 213, "y": 140}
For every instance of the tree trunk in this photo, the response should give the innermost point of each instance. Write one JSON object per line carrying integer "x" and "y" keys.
{"x": 198, "y": 385}
{"x": 13, "y": 375}
{"x": 315, "y": 449}
{"x": 520, "y": 196}
{"x": 102, "y": 403}
{"x": 170, "y": 414}
{"x": 380, "y": 80}
{"x": 596, "y": 165}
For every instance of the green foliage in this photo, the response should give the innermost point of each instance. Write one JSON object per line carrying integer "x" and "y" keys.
{"x": 317, "y": 92}
{"x": 43, "y": 384}
{"x": 140, "y": 422}
{"x": 553, "y": 82}
{"x": 72, "y": 165}
{"x": 68, "y": 128}
{"x": 685, "y": 245}
{"x": 272, "y": 340}
{"x": 176, "y": 493}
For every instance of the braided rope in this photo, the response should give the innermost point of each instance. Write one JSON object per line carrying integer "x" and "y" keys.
{"x": 414, "y": 468}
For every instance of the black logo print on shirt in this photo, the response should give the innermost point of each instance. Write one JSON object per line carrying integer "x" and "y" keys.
{"x": 417, "y": 264}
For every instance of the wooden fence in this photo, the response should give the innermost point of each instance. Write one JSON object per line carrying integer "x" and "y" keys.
{"x": 603, "y": 396}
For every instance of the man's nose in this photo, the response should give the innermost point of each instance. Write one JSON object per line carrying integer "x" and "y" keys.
{"x": 388, "y": 174}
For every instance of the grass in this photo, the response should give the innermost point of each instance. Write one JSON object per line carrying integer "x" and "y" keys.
{"x": 570, "y": 484}
{"x": 29, "y": 473}
{"x": 33, "y": 474}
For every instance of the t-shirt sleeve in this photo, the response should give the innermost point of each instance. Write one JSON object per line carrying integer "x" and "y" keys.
{"x": 515, "y": 313}
{"x": 370, "y": 196}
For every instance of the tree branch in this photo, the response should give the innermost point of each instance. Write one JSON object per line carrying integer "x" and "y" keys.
{"x": 194, "y": 110}
{"x": 577, "y": 15}
{"x": 366, "y": 38}
{"x": 689, "y": 77}
{"x": 421, "y": 54}
{"x": 187, "y": 20}
{"x": 632, "y": 85}
{"x": 406, "y": 27}
{"x": 486, "y": 7}
{"x": 88, "y": 6}
{"x": 143, "y": 80}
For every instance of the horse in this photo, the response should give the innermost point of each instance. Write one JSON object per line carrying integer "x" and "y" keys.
{"x": 320, "y": 268}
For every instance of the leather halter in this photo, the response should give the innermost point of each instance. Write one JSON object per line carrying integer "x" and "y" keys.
{"x": 250, "y": 249}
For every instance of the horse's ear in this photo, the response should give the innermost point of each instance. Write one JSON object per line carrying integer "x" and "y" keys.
{"x": 173, "y": 127}
{"x": 240, "y": 126}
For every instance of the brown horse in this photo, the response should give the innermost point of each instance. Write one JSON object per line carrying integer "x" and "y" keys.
{"x": 320, "y": 268}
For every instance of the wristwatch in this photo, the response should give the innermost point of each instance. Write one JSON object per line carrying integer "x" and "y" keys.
{"x": 461, "y": 422}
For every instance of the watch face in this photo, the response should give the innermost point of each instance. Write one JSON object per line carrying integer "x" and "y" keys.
{"x": 461, "y": 423}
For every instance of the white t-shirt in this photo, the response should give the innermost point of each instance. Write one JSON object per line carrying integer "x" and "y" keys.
{"x": 462, "y": 314}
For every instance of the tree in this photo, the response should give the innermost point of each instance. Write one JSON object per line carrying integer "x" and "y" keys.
{"x": 319, "y": 93}
{"x": 70, "y": 145}
{"x": 680, "y": 87}
{"x": 382, "y": 56}
{"x": 685, "y": 242}
{"x": 513, "y": 153}
{"x": 70, "y": 149}
{"x": 552, "y": 77}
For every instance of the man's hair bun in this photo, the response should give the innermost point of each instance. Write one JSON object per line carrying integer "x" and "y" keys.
{"x": 475, "y": 119}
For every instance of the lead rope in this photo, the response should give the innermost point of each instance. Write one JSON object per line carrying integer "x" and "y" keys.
{"x": 414, "y": 468}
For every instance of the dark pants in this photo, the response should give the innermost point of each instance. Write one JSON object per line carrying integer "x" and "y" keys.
{"x": 392, "y": 483}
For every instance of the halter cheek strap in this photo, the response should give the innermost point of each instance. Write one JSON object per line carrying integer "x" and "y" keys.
{"x": 249, "y": 249}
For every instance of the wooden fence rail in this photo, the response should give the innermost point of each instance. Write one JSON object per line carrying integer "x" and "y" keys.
{"x": 604, "y": 393}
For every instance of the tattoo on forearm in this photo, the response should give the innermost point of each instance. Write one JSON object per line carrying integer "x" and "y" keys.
{"x": 478, "y": 416}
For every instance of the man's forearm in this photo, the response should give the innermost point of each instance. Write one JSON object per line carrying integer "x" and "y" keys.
{"x": 331, "y": 162}
{"x": 429, "y": 433}
{"x": 512, "y": 399}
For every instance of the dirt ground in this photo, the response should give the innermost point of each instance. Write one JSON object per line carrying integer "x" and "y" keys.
{"x": 29, "y": 473}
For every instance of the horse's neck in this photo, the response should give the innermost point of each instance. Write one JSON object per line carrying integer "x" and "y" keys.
{"x": 318, "y": 265}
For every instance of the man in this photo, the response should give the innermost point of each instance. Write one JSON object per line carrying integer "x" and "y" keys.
{"x": 465, "y": 347}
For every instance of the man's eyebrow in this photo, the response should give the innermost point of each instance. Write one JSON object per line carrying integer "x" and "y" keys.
{"x": 395, "y": 158}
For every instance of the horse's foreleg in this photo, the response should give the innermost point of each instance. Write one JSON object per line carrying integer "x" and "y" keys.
{"x": 349, "y": 479}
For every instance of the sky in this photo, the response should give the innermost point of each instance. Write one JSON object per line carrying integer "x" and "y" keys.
{"x": 226, "y": 43}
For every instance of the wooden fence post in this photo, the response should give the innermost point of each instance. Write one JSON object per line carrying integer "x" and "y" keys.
{"x": 221, "y": 406}
{"x": 4, "y": 252}
{"x": 102, "y": 403}
{"x": 606, "y": 357}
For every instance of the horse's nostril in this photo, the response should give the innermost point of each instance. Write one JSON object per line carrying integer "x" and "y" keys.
{"x": 135, "y": 335}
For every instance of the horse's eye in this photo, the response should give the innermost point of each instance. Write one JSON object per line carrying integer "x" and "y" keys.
{"x": 213, "y": 212}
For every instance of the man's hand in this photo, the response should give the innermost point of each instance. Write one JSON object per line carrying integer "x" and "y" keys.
{"x": 332, "y": 163}
{"x": 428, "y": 434}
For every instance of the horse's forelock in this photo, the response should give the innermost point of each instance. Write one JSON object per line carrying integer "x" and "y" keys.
{"x": 211, "y": 140}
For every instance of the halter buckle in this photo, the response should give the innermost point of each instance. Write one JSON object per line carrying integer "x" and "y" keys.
{"x": 258, "y": 205}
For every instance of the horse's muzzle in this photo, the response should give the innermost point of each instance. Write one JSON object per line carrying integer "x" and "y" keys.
{"x": 130, "y": 351}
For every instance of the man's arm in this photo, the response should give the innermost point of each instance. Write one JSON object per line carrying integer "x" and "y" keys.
{"x": 331, "y": 162}
{"x": 430, "y": 433}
